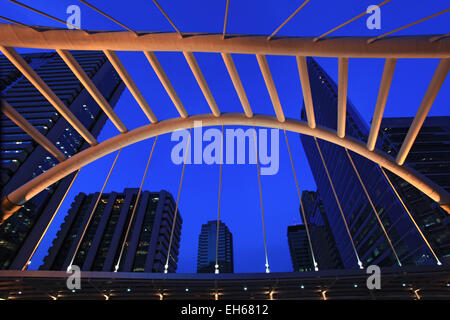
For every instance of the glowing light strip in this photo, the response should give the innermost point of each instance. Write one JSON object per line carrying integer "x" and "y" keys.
{"x": 135, "y": 207}
{"x": 218, "y": 206}
{"x": 166, "y": 267}
{"x": 261, "y": 200}
{"x": 50, "y": 222}
{"x": 305, "y": 222}
{"x": 373, "y": 207}
{"x": 93, "y": 210}
{"x": 338, "y": 203}
{"x": 410, "y": 216}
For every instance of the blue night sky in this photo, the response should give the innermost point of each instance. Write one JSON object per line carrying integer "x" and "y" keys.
{"x": 240, "y": 197}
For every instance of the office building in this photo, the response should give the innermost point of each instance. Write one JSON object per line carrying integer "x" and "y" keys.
{"x": 371, "y": 245}
{"x": 22, "y": 159}
{"x": 299, "y": 248}
{"x": 429, "y": 155}
{"x": 324, "y": 245}
{"x": 103, "y": 247}
{"x": 211, "y": 246}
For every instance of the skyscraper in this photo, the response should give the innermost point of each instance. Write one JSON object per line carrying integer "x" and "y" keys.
{"x": 299, "y": 248}
{"x": 22, "y": 159}
{"x": 208, "y": 244}
{"x": 324, "y": 245}
{"x": 429, "y": 155}
{"x": 370, "y": 242}
{"x": 103, "y": 246}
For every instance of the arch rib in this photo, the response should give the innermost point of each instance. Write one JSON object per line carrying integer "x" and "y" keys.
{"x": 234, "y": 75}
{"x": 126, "y": 78}
{"x": 306, "y": 90}
{"x": 12, "y": 35}
{"x": 388, "y": 73}
{"x": 91, "y": 88}
{"x": 265, "y": 70}
{"x": 195, "y": 68}
{"x": 162, "y": 76}
{"x": 17, "y": 60}
{"x": 342, "y": 96}
{"x": 433, "y": 89}
{"x": 33, "y": 187}
{"x": 22, "y": 123}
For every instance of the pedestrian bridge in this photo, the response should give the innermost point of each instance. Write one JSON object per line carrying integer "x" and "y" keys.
{"x": 387, "y": 46}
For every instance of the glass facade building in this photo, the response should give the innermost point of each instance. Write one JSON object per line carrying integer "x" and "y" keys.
{"x": 322, "y": 240}
{"x": 100, "y": 248}
{"x": 369, "y": 239}
{"x": 22, "y": 159}
{"x": 429, "y": 155}
{"x": 299, "y": 248}
{"x": 207, "y": 246}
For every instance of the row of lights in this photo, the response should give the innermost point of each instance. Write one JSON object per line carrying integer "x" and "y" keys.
{"x": 216, "y": 295}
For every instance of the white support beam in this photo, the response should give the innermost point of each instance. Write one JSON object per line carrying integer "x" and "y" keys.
{"x": 202, "y": 82}
{"x": 386, "y": 79}
{"x": 44, "y": 89}
{"x": 91, "y": 88}
{"x": 264, "y": 66}
{"x": 22, "y": 123}
{"x": 306, "y": 89}
{"x": 234, "y": 75}
{"x": 12, "y": 35}
{"x": 162, "y": 76}
{"x": 427, "y": 102}
{"x": 126, "y": 78}
{"x": 342, "y": 96}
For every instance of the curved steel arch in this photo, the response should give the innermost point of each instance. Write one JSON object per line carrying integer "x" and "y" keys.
{"x": 13, "y": 201}
{"x": 348, "y": 47}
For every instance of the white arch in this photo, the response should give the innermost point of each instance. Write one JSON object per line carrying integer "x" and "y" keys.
{"x": 11, "y": 203}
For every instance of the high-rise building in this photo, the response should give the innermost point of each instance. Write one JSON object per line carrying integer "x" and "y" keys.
{"x": 324, "y": 245}
{"x": 299, "y": 248}
{"x": 429, "y": 155}
{"x": 370, "y": 242}
{"x": 22, "y": 159}
{"x": 208, "y": 246}
{"x": 103, "y": 246}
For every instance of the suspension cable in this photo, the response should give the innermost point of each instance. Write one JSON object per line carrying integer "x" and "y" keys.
{"x": 373, "y": 207}
{"x": 316, "y": 267}
{"x": 338, "y": 203}
{"x": 166, "y": 266}
{"x": 50, "y": 222}
{"x": 135, "y": 207}
{"x": 410, "y": 216}
{"x": 287, "y": 20}
{"x": 168, "y": 19}
{"x": 261, "y": 200}
{"x": 47, "y": 15}
{"x": 225, "y": 20}
{"x": 93, "y": 210}
{"x": 218, "y": 206}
